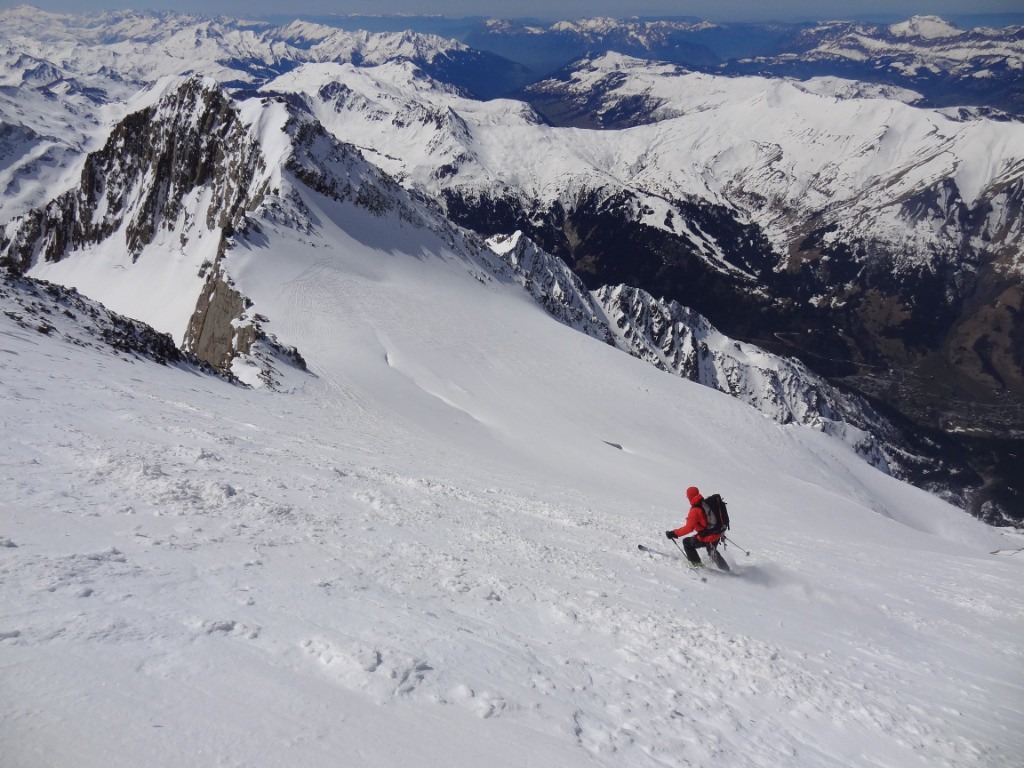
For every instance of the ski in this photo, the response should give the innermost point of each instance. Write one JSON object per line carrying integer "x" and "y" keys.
{"x": 697, "y": 572}
{"x": 645, "y": 548}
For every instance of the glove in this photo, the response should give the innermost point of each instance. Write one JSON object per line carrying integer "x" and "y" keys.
{"x": 671, "y": 535}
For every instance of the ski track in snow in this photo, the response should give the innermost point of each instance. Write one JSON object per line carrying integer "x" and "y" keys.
{"x": 196, "y": 541}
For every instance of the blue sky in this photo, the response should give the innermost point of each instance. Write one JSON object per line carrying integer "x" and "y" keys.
{"x": 720, "y": 10}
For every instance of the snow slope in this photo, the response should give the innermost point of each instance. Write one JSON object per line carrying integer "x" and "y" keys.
{"x": 425, "y": 553}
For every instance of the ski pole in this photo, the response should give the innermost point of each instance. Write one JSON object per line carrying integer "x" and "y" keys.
{"x": 741, "y": 549}
{"x": 689, "y": 567}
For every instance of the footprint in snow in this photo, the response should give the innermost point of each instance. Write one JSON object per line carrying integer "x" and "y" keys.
{"x": 222, "y": 627}
{"x": 382, "y": 674}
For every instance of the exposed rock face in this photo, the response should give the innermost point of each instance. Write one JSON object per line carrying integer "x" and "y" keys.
{"x": 223, "y": 334}
{"x": 139, "y": 181}
{"x": 338, "y": 170}
{"x": 187, "y": 164}
{"x": 212, "y": 333}
{"x": 552, "y": 285}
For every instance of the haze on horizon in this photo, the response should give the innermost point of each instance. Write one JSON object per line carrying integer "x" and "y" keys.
{"x": 712, "y": 10}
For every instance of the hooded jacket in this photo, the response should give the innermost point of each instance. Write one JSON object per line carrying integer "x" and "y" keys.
{"x": 696, "y": 520}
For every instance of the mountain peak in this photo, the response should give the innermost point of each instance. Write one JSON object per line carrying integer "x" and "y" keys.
{"x": 928, "y": 27}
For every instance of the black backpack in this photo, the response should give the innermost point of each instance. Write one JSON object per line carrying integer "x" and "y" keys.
{"x": 717, "y": 514}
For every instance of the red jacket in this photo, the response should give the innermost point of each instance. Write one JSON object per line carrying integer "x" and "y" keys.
{"x": 697, "y": 521}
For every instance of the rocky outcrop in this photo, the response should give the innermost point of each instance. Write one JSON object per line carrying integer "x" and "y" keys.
{"x": 55, "y": 310}
{"x": 552, "y": 285}
{"x": 186, "y": 165}
{"x": 217, "y": 331}
{"x": 138, "y": 182}
{"x": 223, "y": 333}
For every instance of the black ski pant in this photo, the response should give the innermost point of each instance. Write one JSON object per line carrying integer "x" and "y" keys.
{"x": 690, "y": 545}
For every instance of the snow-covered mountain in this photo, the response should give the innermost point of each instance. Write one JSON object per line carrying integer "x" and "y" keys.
{"x": 973, "y": 69}
{"x": 143, "y": 46}
{"x": 824, "y": 208}
{"x": 425, "y": 551}
{"x": 614, "y": 91}
{"x": 948, "y": 66}
{"x": 67, "y": 78}
{"x": 416, "y": 542}
{"x": 547, "y": 47}
{"x": 177, "y": 187}
{"x": 187, "y": 181}
{"x": 856, "y": 208}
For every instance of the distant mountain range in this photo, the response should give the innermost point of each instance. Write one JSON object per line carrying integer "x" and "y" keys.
{"x": 945, "y": 66}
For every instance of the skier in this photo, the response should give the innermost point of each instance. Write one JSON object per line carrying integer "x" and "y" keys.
{"x": 697, "y": 522}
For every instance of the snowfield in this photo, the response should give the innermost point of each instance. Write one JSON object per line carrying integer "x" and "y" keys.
{"x": 424, "y": 551}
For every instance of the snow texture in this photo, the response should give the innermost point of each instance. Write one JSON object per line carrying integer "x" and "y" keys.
{"x": 425, "y": 551}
